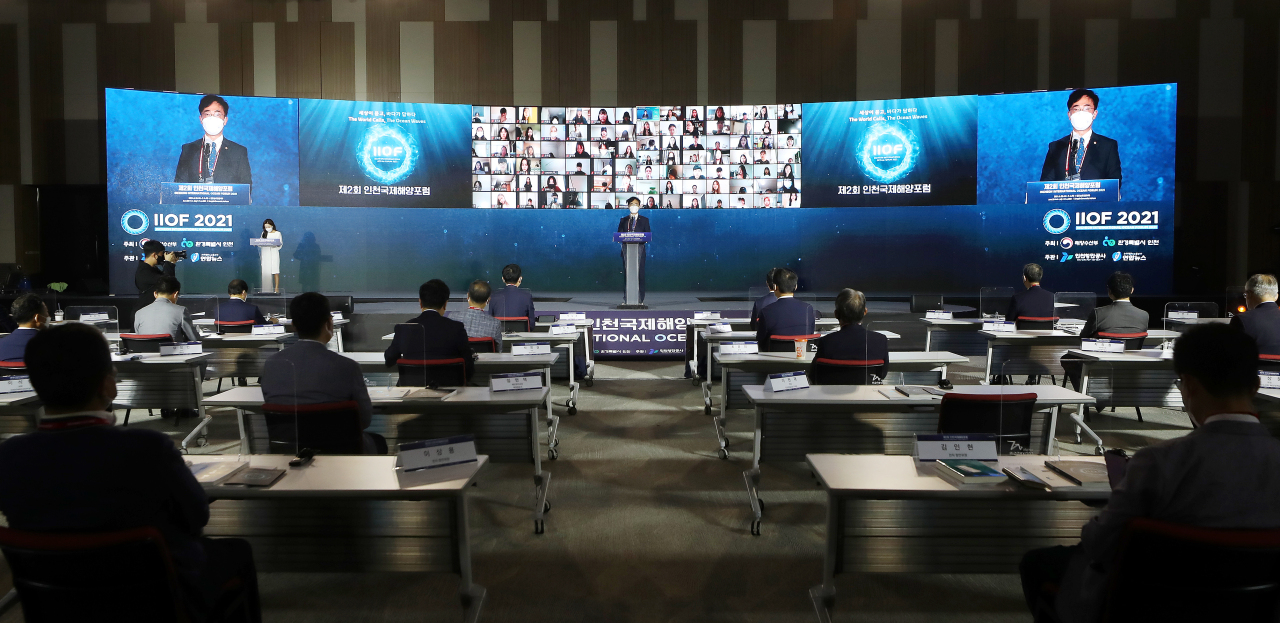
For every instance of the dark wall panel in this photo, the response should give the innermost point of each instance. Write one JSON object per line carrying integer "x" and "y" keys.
{"x": 337, "y": 60}
{"x": 10, "y": 129}
{"x": 298, "y": 70}
{"x": 235, "y": 58}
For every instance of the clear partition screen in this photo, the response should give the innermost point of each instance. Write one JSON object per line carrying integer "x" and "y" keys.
{"x": 993, "y": 302}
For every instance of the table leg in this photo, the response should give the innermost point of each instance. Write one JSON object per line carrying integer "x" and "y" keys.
{"x": 720, "y": 420}
{"x": 244, "y": 438}
{"x": 986, "y": 378}
{"x": 553, "y": 423}
{"x": 1051, "y": 430}
{"x": 573, "y": 385}
{"x": 472, "y": 594}
{"x": 198, "y": 376}
{"x": 823, "y": 595}
{"x": 541, "y": 479}
{"x": 752, "y": 479}
{"x": 928, "y": 338}
{"x": 693, "y": 361}
{"x": 1079, "y": 414}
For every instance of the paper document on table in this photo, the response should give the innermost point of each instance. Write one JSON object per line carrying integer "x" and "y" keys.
{"x": 426, "y": 393}
{"x": 388, "y": 393}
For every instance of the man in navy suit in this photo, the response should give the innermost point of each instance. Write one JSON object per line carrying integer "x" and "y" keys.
{"x": 1261, "y": 322}
{"x": 851, "y": 342}
{"x": 767, "y": 299}
{"x": 1034, "y": 304}
{"x": 80, "y": 473}
{"x": 637, "y": 223}
{"x": 237, "y": 308}
{"x": 213, "y": 158}
{"x": 445, "y": 338}
{"x": 511, "y": 301}
{"x": 1083, "y": 154}
{"x": 31, "y": 315}
{"x": 786, "y": 316}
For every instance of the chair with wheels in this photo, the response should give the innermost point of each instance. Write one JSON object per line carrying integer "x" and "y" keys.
{"x": 432, "y": 372}
{"x": 1007, "y": 416}
{"x": 233, "y": 326}
{"x": 1035, "y": 323}
{"x": 144, "y": 342}
{"x": 483, "y": 344}
{"x": 846, "y": 371}
{"x": 515, "y": 324}
{"x": 12, "y": 367}
{"x": 327, "y": 428}
{"x": 787, "y": 343}
{"x": 1270, "y": 363}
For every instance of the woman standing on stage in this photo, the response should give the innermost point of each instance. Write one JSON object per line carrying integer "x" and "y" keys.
{"x": 271, "y": 256}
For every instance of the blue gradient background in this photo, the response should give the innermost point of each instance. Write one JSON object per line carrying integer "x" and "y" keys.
{"x": 146, "y": 131}
{"x": 328, "y": 153}
{"x": 948, "y": 151}
{"x": 1014, "y": 132}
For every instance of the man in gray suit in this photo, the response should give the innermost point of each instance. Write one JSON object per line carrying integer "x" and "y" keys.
{"x": 477, "y": 321}
{"x": 1224, "y": 474}
{"x": 309, "y": 373}
{"x": 165, "y": 315}
{"x": 1120, "y": 318}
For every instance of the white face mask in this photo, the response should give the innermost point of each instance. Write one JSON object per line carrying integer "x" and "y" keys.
{"x": 634, "y": 209}
{"x": 1081, "y": 120}
{"x": 213, "y": 125}
{"x": 268, "y": 228}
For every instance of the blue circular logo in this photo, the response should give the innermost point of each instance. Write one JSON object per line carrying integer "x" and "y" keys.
{"x": 135, "y": 216}
{"x": 1115, "y": 257}
{"x": 195, "y": 257}
{"x": 387, "y": 154}
{"x": 1054, "y": 215}
{"x": 888, "y": 152}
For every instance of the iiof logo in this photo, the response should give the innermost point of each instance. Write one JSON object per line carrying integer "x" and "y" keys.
{"x": 134, "y": 222}
{"x": 888, "y": 152}
{"x": 1057, "y": 221}
{"x": 386, "y": 154}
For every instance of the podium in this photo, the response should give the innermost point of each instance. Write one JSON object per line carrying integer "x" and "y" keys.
{"x": 1073, "y": 190}
{"x": 632, "y": 247}
{"x": 265, "y": 242}
{"x": 205, "y": 194}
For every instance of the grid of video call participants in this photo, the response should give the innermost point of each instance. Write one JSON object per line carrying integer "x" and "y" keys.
{"x": 669, "y": 157}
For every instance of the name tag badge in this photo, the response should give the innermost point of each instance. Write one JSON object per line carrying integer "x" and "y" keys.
{"x": 1102, "y": 345}
{"x": 706, "y": 315}
{"x": 937, "y": 315}
{"x": 786, "y": 381}
{"x": 720, "y": 328}
{"x": 1270, "y": 380}
{"x": 336, "y": 315}
{"x": 436, "y": 453}
{"x": 531, "y": 348}
{"x": 15, "y": 384}
{"x": 182, "y": 348}
{"x": 571, "y": 316}
{"x": 739, "y": 348}
{"x": 268, "y": 329}
{"x": 95, "y": 317}
{"x": 513, "y": 381}
{"x": 941, "y": 447}
{"x": 1183, "y": 315}
{"x": 1000, "y": 326}
{"x": 563, "y": 329}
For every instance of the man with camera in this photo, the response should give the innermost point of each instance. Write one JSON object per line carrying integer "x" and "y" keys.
{"x": 156, "y": 264}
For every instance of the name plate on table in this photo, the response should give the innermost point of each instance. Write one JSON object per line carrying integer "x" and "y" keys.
{"x": 336, "y": 315}
{"x": 706, "y": 315}
{"x": 531, "y": 348}
{"x": 1102, "y": 346}
{"x": 268, "y": 329}
{"x": 563, "y": 329}
{"x": 937, "y": 315}
{"x": 720, "y": 328}
{"x": 182, "y": 348}
{"x": 1076, "y": 190}
{"x": 1270, "y": 380}
{"x": 437, "y": 453}
{"x": 513, "y": 381}
{"x": 1183, "y": 315}
{"x": 632, "y": 236}
{"x": 206, "y": 194}
{"x": 98, "y": 317}
{"x": 15, "y": 384}
{"x": 942, "y": 447}
{"x": 1000, "y": 326}
{"x": 786, "y": 381}
{"x": 739, "y": 348}
{"x": 571, "y": 316}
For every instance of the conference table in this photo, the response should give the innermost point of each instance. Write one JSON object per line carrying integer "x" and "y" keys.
{"x": 892, "y": 514}
{"x": 1134, "y": 378}
{"x": 153, "y": 381}
{"x": 1036, "y": 352}
{"x": 754, "y": 366}
{"x": 353, "y": 513}
{"x": 504, "y": 424}
{"x": 860, "y": 419}
{"x": 23, "y": 408}
{"x": 586, "y": 329}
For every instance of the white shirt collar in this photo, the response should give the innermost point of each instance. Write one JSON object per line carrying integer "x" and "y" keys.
{"x": 217, "y": 142}
{"x": 1233, "y": 417}
{"x": 1087, "y": 136}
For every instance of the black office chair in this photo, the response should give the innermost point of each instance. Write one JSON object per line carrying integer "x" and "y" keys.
{"x": 86, "y": 576}
{"x": 432, "y": 372}
{"x": 234, "y": 326}
{"x": 1008, "y": 416}
{"x": 1158, "y": 574}
{"x": 328, "y": 428}
{"x": 483, "y": 344}
{"x": 786, "y": 343}
{"x": 12, "y": 367}
{"x": 1132, "y": 341}
{"x": 144, "y": 342}
{"x": 515, "y": 324}
{"x": 1269, "y": 362}
{"x": 846, "y": 371}
{"x": 1035, "y": 323}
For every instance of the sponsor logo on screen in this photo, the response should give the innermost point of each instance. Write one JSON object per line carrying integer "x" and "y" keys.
{"x": 1067, "y": 243}
{"x": 387, "y": 154}
{"x": 135, "y": 222}
{"x": 888, "y": 152}
{"x": 1115, "y": 257}
{"x": 1057, "y": 221}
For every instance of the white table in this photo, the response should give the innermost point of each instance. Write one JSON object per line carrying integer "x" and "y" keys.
{"x": 892, "y": 514}
{"x": 778, "y": 413}
{"x": 352, "y": 488}
{"x": 208, "y": 324}
{"x": 473, "y": 407}
{"x": 150, "y": 381}
{"x": 25, "y": 405}
{"x": 1134, "y": 378}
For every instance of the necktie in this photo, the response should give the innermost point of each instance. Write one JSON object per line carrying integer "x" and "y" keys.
{"x": 631, "y": 225}
{"x": 212, "y": 149}
{"x": 1072, "y": 168}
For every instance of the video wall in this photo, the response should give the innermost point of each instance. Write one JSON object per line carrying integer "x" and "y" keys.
{"x": 945, "y": 195}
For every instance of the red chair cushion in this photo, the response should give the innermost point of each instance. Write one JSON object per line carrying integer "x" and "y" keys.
{"x": 1038, "y": 318}
{"x": 1269, "y": 357}
{"x": 234, "y": 323}
{"x": 511, "y": 317}
{"x": 1122, "y": 336}
{"x": 145, "y": 336}
{"x": 793, "y": 338}
{"x": 480, "y": 339}
{"x": 13, "y": 364}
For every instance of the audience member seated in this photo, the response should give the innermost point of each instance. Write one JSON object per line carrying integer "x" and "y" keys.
{"x": 31, "y": 315}
{"x": 1262, "y": 321}
{"x": 511, "y": 301}
{"x": 237, "y": 308}
{"x": 308, "y": 373}
{"x": 1221, "y": 475}
{"x": 852, "y": 342}
{"x": 445, "y": 338}
{"x": 1034, "y": 303}
{"x": 1121, "y": 316}
{"x": 80, "y": 473}
{"x": 474, "y": 318}
{"x": 767, "y": 299}
{"x": 165, "y": 315}
{"x": 786, "y": 316}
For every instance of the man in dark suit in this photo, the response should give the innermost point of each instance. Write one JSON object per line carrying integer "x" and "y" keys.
{"x": 786, "y": 316}
{"x": 80, "y": 473}
{"x": 237, "y": 308}
{"x": 1083, "y": 154}
{"x": 1033, "y": 304}
{"x": 445, "y": 338}
{"x": 31, "y": 315}
{"x": 156, "y": 264}
{"x": 511, "y": 301}
{"x": 767, "y": 299}
{"x": 635, "y": 222}
{"x": 1221, "y": 475}
{"x": 1120, "y": 317}
{"x": 213, "y": 158}
{"x": 1262, "y": 321}
{"x": 851, "y": 342}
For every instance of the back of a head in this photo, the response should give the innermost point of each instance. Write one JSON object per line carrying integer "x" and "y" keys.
{"x": 511, "y": 273}
{"x": 309, "y": 312}
{"x": 237, "y": 287}
{"x": 433, "y": 294}
{"x": 479, "y": 292}
{"x": 1032, "y": 273}
{"x": 26, "y": 308}
{"x": 786, "y": 281}
{"x": 168, "y": 285}
{"x": 851, "y": 306}
{"x": 67, "y": 365}
{"x": 1120, "y": 285}
{"x": 771, "y": 277}
{"x": 1262, "y": 286}
{"x": 1223, "y": 359}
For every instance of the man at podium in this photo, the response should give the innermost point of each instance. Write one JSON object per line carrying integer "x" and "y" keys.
{"x": 635, "y": 223}
{"x": 213, "y": 158}
{"x": 1083, "y": 154}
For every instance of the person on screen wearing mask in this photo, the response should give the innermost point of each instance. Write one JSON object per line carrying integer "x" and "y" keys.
{"x": 1083, "y": 154}
{"x": 213, "y": 157}
{"x": 635, "y": 223}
